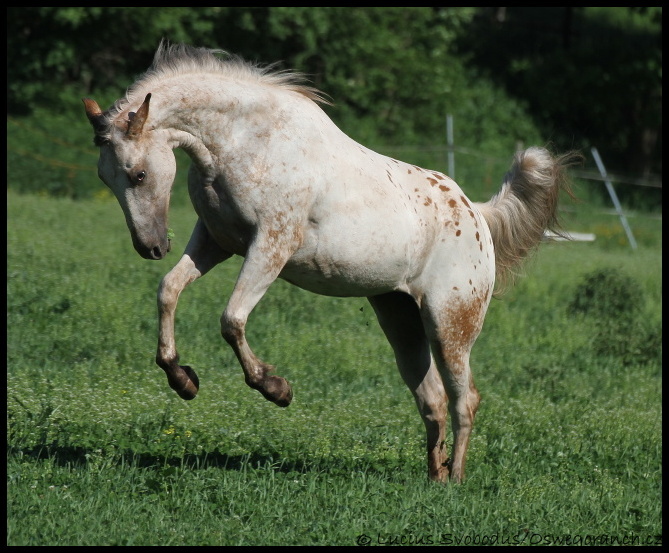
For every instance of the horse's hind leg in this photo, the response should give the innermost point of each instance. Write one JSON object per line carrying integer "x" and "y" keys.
{"x": 401, "y": 322}
{"x": 200, "y": 256}
{"x": 453, "y": 323}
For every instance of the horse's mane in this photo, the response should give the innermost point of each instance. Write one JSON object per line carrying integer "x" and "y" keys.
{"x": 177, "y": 59}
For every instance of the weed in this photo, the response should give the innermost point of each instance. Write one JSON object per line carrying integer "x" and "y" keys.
{"x": 615, "y": 304}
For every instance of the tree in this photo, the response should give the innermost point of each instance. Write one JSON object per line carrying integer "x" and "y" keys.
{"x": 575, "y": 76}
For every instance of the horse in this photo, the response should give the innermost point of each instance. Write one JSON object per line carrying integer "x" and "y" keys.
{"x": 275, "y": 181}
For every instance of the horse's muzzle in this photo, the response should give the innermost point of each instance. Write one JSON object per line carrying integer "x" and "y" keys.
{"x": 155, "y": 252}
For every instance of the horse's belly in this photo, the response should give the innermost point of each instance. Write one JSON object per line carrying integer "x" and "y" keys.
{"x": 390, "y": 253}
{"x": 351, "y": 261}
{"x": 344, "y": 279}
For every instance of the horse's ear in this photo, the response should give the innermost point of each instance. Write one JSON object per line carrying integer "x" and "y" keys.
{"x": 136, "y": 123}
{"x": 95, "y": 115}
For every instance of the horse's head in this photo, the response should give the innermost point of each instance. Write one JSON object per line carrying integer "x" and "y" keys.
{"x": 137, "y": 164}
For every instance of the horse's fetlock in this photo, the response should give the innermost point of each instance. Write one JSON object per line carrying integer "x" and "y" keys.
{"x": 167, "y": 363}
{"x": 254, "y": 381}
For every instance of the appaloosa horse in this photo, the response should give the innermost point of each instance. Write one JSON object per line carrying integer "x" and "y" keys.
{"x": 275, "y": 181}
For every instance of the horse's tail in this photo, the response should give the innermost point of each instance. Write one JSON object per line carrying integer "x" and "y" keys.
{"x": 525, "y": 207}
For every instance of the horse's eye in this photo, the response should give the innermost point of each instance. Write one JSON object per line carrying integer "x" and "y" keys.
{"x": 140, "y": 176}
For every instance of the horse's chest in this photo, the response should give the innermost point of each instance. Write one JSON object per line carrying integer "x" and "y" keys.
{"x": 226, "y": 222}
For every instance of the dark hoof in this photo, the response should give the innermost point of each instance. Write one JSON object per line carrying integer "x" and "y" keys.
{"x": 277, "y": 390}
{"x": 184, "y": 382}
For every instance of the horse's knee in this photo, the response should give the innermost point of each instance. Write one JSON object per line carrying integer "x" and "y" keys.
{"x": 232, "y": 328}
{"x": 168, "y": 291}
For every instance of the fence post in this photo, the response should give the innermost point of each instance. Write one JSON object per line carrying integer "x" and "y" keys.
{"x": 614, "y": 197}
{"x": 449, "y": 141}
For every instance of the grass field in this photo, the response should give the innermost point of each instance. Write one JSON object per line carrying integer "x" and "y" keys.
{"x": 567, "y": 445}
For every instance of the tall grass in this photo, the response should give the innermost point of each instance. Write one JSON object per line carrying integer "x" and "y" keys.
{"x": 567, "y": 443}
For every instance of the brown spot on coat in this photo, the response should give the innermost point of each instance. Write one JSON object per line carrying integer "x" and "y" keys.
{"x": 461, "y": 325}
{"x": 464, "y": 201}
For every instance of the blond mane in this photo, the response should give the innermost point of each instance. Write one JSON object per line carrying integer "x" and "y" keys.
{"x": 177, "y": 59}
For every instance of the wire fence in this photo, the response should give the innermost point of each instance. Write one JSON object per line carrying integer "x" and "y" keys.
{"x": 581, "y": 174}
{"x": 476, "y": 166}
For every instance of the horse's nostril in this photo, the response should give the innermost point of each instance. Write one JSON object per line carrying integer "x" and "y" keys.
{"x": 156, "y": 253}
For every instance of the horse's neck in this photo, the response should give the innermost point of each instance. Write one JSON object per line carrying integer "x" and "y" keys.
{"x": 210, "y": 115}
{"x": 196, "y": 150}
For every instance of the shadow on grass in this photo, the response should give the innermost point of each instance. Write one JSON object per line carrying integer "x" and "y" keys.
{"x": 80, "y": 457}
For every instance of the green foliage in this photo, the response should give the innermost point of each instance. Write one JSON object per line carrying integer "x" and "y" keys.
{"x": 576, "y": 77}
{"x": 616, "y": 307}
{"x": 567, "y": 442}
{"x": 70, "y": 51}
{"x": 48, "y": 155}
{"x": 608, "y": 293}
{"x": 575, "y": 67}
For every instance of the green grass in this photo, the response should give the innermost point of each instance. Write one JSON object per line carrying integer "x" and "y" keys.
{"x": 567, "y": 443}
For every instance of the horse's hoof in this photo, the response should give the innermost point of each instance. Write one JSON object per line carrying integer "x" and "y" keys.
{"x": 277, "y": 390}
{"x": 439, "y": 475}
{"x": 184, "y": 382}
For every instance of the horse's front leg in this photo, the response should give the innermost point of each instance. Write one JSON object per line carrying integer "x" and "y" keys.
{"x": 263, "y": 262}
{"x": 201, "y": 254}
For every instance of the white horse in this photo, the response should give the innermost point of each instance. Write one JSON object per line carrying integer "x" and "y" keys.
{"x": 275, "y": 181}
